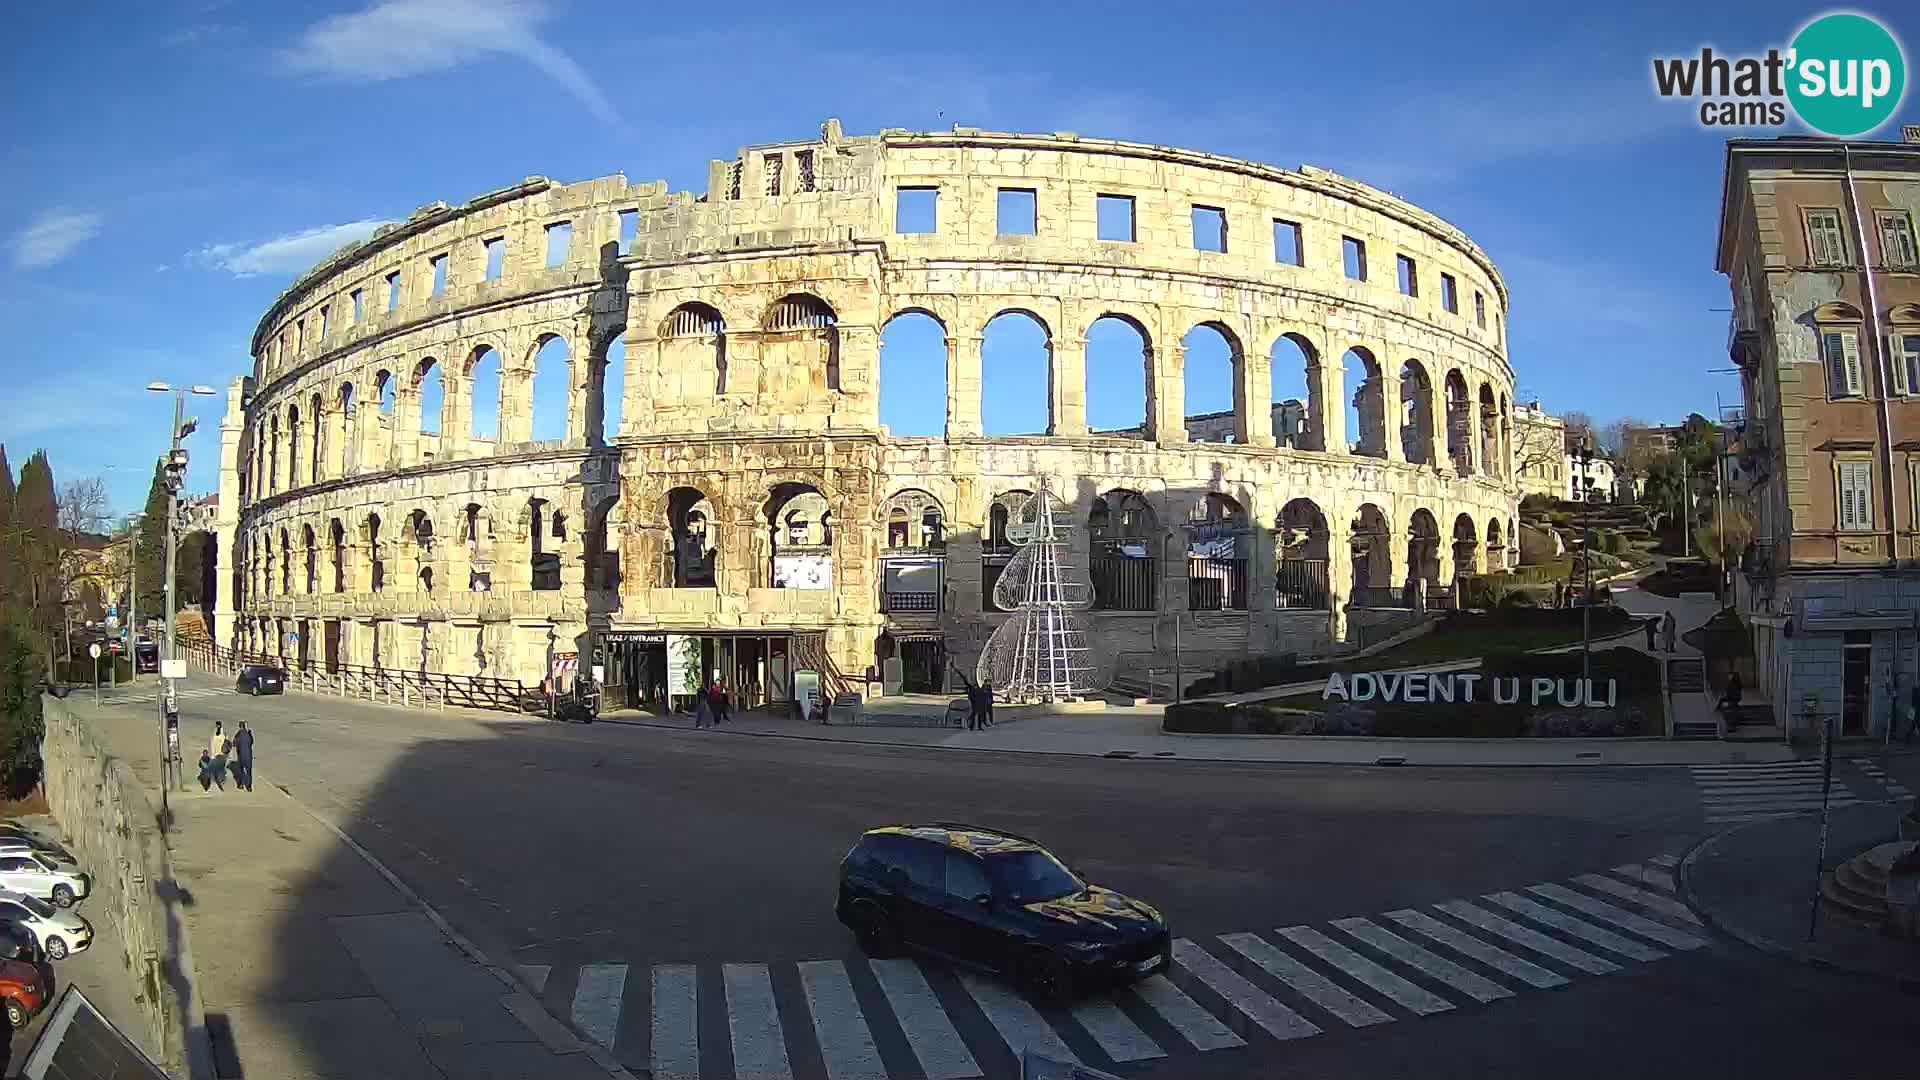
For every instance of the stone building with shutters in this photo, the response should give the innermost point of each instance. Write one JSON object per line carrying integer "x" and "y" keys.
{"x": 1817, "y": 239}
{"x": 715, "y": 465}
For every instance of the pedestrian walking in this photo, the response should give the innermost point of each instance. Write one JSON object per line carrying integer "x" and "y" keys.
{"x": 243, "y": 758}
{"x": 1669, "y": 629}
{"x": 216, "y": 740}
{"x": 1650, "y": 626}
{"x": 974, "y": 711}
{"x": 721, "y": 705}
{"x": 207, "y": 777}
{"x": 986, "y": 703}
{"x": 702, "y": 711}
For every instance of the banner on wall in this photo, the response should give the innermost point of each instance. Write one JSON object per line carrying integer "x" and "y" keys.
{"x": 683, "y": 664}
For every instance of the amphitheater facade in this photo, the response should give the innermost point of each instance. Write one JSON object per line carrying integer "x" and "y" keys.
{"x": 749, "y": 496}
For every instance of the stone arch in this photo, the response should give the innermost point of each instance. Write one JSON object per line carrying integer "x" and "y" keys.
{"x": 1124, "y": 552}
{"x": 913, "y": 519}
{"x": 384, "y": 385}
{"x": 310, "y": 554}
{"x": 1293, "y": 377}
{"x": 800, "y": 344}
{"x": 549, "y": 387}
{"x": 1214, "y": 404}
{"x": 1496, "y": 546}
{"x": 482, "y": 380}
{"x": 1489, "y": 432}
{"x": 1119, "y": 368}
{"x": 1016, "y": 365}
{"x": 1217, "y": 547}
{"x": 429, "y": 392}
{"x": 800, "y": 527}
{"x": 316, "y": 452}
{"x": 337, "y": 553}
{"x": 997, "y": 536}
{"x": 1371, "y": 544}
{"x": 605, "y": 521}
{"x": 1459, "y": 423}
{"x": 376, "y": 553}
{"x": 1506, "y": 439}
{"x": 1366, "y": 403}
{"x": 1302, "y": 544}
{"x": 1416, "y": 413}
{"x": 606, "y": 388}
{"x": 914, "y": 393}
{"x": 347, "y": 438}
{"x": 273, "y": 455}
{"x": 1466, "y": 547}
{"x": 693, "y": 539}
{"x": 693, "y": 355}
{"x": 1423, "y": 550}
{"x": 293, "y": 446}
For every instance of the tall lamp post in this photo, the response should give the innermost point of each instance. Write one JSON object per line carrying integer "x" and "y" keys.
{"x": 134, "y": 521}
{"x": 176, "y": 475}
{"x": 1583, "y": 453}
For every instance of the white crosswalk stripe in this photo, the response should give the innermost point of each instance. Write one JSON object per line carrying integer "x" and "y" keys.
{"x": 1650, "y": 900}
{"x": 1625, "y": 920}
{"x": 1305, "y": 981}
{"x": 596, "y": 1001}
{"x": 1253, "y": 1002}
{"x": 1879, "y": 776}
{"x": 1731, "y": 794}
{"x": 846, "y": 1043}
{"x": 1532, "y": 939}
{"x": 179, "y": 695}
{"x": 759, "y": 1048}
{"x": 1546, "y": 916}
{"x": 1389, "y": 985}
{"x": 825, "y": 1030}
{"x": 1474, "y": 986}
{"x": 1020, "y": 1025}
{"x": 943, "y": 1056}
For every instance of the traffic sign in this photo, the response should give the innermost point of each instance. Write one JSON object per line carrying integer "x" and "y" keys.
{"x": 93, "y": 650}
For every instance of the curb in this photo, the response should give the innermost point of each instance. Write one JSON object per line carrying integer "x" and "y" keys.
{"x": 508, "y": 978}
{"x": 1760, "y": 942}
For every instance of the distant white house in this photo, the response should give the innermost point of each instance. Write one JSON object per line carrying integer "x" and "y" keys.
{"x": 1599, "y": 484}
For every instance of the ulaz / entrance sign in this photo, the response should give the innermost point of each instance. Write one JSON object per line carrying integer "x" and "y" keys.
{"x": 1430, "y": 687}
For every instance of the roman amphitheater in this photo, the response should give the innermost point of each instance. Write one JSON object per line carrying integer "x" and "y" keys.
{"x": 380, "y": 506}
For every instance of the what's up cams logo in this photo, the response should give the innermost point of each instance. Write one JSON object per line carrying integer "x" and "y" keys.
{"x": 1843, "y": 75}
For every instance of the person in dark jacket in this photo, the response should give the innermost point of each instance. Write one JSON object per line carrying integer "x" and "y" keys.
{"x": 243, "y": 757}
{"x": 986, "y": 703}
{"x": 974, "y": 711}
{"x": 1651, "y": 626}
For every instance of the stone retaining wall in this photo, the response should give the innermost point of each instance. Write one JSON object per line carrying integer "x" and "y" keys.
{"x": 114, "y": 831}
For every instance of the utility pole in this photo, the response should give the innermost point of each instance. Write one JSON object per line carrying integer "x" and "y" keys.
{"x": 175, "y": 475}
{"x": 1586, "y": 557}
{"x": 133, "y": 602}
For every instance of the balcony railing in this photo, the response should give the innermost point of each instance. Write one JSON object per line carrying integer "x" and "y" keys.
{"x": 909, "y": 601}
{"x": 1302, "y": 584}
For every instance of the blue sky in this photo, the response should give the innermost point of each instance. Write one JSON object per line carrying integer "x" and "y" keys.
{"x": 164, "y": 181}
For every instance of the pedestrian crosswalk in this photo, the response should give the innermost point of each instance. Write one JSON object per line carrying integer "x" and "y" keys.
{"x": 1735, "y": 793}
{"x": 152, "y": 697}
{"x": 1894, "y": 788}
{"x": 873, "y": 1019}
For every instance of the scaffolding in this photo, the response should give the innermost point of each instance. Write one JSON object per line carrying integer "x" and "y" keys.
{"x": 1044, "y": 651}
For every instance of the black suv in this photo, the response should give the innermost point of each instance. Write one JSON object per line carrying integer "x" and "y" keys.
{"x": 991, "y": 899}
{"x": 257, "y": 679}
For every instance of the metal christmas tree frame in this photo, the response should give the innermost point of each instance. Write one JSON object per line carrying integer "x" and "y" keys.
{"x": 1044, "y": 652}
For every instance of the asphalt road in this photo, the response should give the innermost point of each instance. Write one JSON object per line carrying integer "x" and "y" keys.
{"x": 574, "y": 850}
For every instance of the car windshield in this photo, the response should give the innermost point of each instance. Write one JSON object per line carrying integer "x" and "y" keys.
{"x": 40, "y": 908}
{"x": 1027, "y": 876}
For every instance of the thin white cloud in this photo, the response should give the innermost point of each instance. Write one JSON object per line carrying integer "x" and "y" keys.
{"x": 53, "y": 236}
{"x": 401, "y": 38}
{"x": 289, "y": 254}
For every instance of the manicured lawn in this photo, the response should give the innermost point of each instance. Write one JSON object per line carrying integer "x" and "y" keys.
{"x": 1448, "y": 643}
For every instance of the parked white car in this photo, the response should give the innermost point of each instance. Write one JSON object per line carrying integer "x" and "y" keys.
{"x": 36, "y": 873}
{"x": 60, "y": 933}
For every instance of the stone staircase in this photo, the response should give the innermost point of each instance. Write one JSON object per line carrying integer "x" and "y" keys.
{"x": 1857, "y": 888}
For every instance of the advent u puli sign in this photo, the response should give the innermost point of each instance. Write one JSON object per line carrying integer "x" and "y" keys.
{"x": 1431, "y": 687}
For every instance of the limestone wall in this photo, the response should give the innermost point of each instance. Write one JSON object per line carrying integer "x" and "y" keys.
{"x": 116, "y": 838}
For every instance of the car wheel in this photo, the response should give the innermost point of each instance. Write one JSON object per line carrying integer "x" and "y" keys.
{"x": 874, "y": 930}
{"x": 1047, "y": 976}
{"x": 63, "y": 895}
{"x": 56, "y": 948}
{"x": 16, "y": 1015}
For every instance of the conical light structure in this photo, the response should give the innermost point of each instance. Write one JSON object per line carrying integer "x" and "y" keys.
{"x": 1044, "y": 652}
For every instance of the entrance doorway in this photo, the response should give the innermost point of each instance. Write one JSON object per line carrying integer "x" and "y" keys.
{"x": 635, "y": 671}
{"x": 1856, "y": 667}
{"x": 330, "y": 646}
{"x": 923, "y": 666}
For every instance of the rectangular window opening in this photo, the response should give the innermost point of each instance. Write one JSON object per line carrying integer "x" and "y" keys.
{"x": 1113, "y": 218}
{"x": 496, "y": 257}
{"x": 629, "y": 228}
{"x": 1840, "y": 348}
{"x": 1353, "y": 254}
{"x": 393, "y": 290}
{"x": 1209, "y": 228}
{"x": 1408, "y": 275}
{"x": 1897, "y": 251}
{"x": 915, "y": 209}
{"x": 323, "y": 323}
{"x": 1480, "y": 309}
{"x": 559, "y": 242}
{"x": 439, "y": 265}
{"x": 1286, "y": 243}
{"x": 1449, "y": 294}
{"x": 1856, "y": 495}
{"x": 1017, "y": 212}
{"x": 774, "y": 164}
{"x": 357, "y": 296}
{"x": 803, "y": 161}
{"x": 1908, "y": 361}
{"x": 1826, "y": 240}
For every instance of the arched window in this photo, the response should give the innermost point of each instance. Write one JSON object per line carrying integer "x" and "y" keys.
{"x": 998, "y": 545}
{"x": 1299, "y": 417}
{"x": 1423, "y": 552}
{"x": 1125, "y": 552}
{"x": 1217, "y": 544}
{"x": 1213, "y": 408}
{"x": 914, "y": 521}
{"x": 430, "y": 397}
{"x": 800, "y": 526}
{"x": 1372, "y": 548}
{"x": 1301, "y": 540}
{"x": 1366, "y": 404}
{"x": 293, "y": 446}
{"x": 1459, "y": 424}
{"x": 693, "y": 354}
{"x": 693, "y": 540}
{"x": 1016, "y": 354}
{"x": 1489, "y": 433}
{"x": 483, "y": 399}
{"x": 316, "y": 471}
{"x": 1466, "y": 547}
{"x": 603, "y": 545}
{"x": 1416, "y": 414}
{"x": 552, "y": 388}
{"x": 376, "y": 557}
{"x": 607, "y": 393}
{"x": 1119, "y": 373}
{"x": 801, "y": 334}
{"x": 913, "y": 375}
{"x": 312, "y": 552}
{"x": 337, "y": 551}
{"x": 544, "y": 565}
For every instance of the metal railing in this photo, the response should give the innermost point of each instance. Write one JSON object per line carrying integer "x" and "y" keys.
{"x": 1302, "y": 583}
{"x": 1216, "y": 584}
{"x": 909, "y": 601}
{"x": 392, "y": 686}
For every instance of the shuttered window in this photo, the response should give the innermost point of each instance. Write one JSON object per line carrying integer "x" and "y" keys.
{"x": 1856, "y": 494}
{"x": 1841, "y": 350}
{"x": 1896, "y": 240}
{"x": 1826, "y": 243}
{"x": 1906, "y": 363}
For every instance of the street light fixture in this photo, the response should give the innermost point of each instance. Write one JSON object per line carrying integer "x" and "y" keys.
{"x": 1583, "y": 453}
{"x": 176, "y": 475}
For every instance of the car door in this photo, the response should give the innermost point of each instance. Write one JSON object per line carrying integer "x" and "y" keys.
{"x": 21, "y": 874}
{"x": 915, "y": 878}
{"x": 966, "y": 919}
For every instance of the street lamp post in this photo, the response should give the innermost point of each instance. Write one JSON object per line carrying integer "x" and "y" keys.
{"x": 134, "y": 521}
{"x": 176, "y": 474}
{"x": 1584, "y": 455}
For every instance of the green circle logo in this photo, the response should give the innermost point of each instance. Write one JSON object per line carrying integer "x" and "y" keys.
{"x": 1848, "y": 75}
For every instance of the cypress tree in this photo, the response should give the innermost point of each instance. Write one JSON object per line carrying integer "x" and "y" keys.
{"x": 8, "y": 574}
{"x": 153, "y": 545}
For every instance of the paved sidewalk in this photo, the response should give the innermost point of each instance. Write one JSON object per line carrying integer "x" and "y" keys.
{"x": 313, "y": 964}
{"x": 1756, "y": 883}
